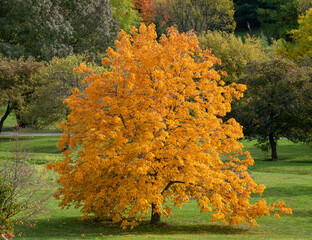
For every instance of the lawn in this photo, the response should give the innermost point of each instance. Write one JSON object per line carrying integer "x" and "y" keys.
{"x": 289, "y": 180}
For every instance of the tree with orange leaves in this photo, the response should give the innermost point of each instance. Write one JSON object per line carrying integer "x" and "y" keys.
{"x": 145, "y": 9}
{"x": 150, "y": 130}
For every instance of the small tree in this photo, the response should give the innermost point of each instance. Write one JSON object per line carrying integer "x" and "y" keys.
{"x": 57, "y": 78}
{"x": 23, "y": 189}
{"x": 149, "y": 130}
{"x": 277, "y": 102}
{"x": 16, "y": 85}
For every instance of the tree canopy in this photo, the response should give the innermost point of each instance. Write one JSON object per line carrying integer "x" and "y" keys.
{"x": 246, "y": 14}
{"x": 304, "y": 6}
{"x": 277, "y": 102}
{"x": 33, "y": 28}
{"x": 16, "y": 84}
{"x": 150, "y": 130}
{"x": 125, "y": 13}
{"x": 277, "y": 17}
{"x": 44, "y": 29}
{"x": 234, "y": 52}
{"x": 145, "y": 9}
{"x": 198, "y": 15}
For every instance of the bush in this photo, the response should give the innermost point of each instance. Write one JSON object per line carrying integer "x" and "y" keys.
{"x": 23, "y": 190}
{"x": 5, "y": 234}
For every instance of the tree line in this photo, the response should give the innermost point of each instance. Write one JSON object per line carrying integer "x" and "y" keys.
{"x": 42, "y": 41}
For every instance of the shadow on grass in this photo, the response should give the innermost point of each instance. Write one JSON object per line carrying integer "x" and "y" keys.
{"x": 302, "y": 213}
{"x": 292, "y": 191}
{"x": 7, "y": 129}
{"x": 303, "y": 167}
{"x": 71, "y": 228}
{"x": 307, "y": 161}
{"x": 31, "y": 144}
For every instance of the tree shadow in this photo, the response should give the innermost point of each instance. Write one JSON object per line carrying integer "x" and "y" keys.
{"x": 302, "y": 213}
{"x": 293, "y": 191}
{"x": 71, "y": 228}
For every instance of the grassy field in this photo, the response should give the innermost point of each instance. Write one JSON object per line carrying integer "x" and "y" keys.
{"x": 42, "y": 149}
{"x": 289, "y": 180}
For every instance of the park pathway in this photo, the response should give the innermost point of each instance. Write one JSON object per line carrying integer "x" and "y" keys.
{"x": 21, "y": 134}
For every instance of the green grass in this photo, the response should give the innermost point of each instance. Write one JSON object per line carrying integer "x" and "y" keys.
{"x": 42, "y": 149}
{"x": 289, "y": 180}
{"x": 294, "y": 158}
{"x": 10, "y": 122}
{"x": 10, "y": 125}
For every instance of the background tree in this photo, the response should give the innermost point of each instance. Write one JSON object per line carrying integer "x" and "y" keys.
{"x": 277, "y": 103}
{"x": 145, "y": 10}
{"x": 246, "y": 14}
{"x": 125, "y": 14}
{"x": 44, "y": 29}
{"x": 234, "y": 52}
{"x": 57, "y": 79}
{"x": 277, "y": 17}
{"x": 200, "y": 15}
{"x": 301, "y": 48}
{"x": 33, "y": 28}
{"x": 16, "y": 85}
{"x": 150, "y": 131}
{"x": 304, "y": 5}
{"x": 300, "y": 51}
{"x": 93, "y": 26}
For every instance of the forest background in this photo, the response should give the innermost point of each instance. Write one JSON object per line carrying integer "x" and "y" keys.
{"x": 264, "y": 44}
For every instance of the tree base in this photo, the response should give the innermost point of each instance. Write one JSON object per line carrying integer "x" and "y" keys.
{"x": 155, "y": 219}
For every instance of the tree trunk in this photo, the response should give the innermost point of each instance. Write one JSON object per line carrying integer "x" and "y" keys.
{"x": 21, "y": 123}
{"x": 273, "y": 146}
{"x": 6, "y": 114}
{"x": 155, "y": 219}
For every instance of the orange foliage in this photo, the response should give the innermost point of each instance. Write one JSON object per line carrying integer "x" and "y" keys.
{"x": 149, "y": 130}
{"x": 145, "y": 10}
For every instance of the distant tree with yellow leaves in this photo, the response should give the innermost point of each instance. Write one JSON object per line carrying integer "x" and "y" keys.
{"x": 301, "y": 48}
{"x": 149, "y": 131}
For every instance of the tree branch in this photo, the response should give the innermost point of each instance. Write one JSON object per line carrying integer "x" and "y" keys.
{"x": 169, "y": 185}
{"x": 123, "y": 120}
